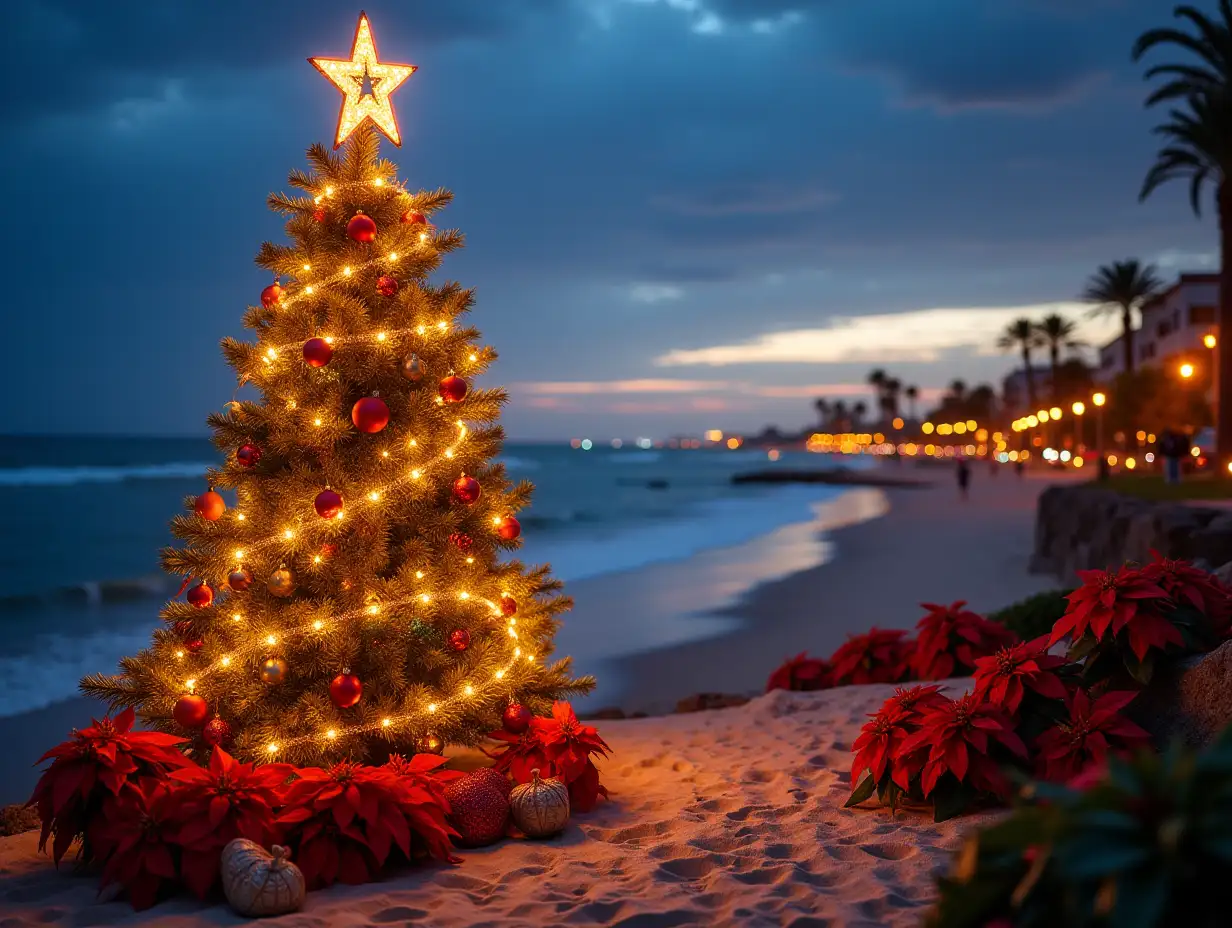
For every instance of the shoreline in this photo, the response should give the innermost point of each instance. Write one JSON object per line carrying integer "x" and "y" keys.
{"x": 856, "y": 571}
{"x": 930, "y": 547}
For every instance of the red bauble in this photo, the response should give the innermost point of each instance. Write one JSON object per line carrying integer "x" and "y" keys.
{"x": 386, "y": 285}
{"x": 414, "y": 218}
{"x": 329, "y": 549}
{"x": 247, "y": 454}
{"x": 239, "y": 579}
{"x": 200, "y": 595}
{"x": 508, "y": 606}
{"x": 318, "y": 215}
{"x": 271, "y": 295}
{"x": 452, "y": 389}
{"x": 190, "y": 711}
{"x": 461, "y": 541}
{"x": 459, "y": 639}
{"x": 345, "y": 690}
{"x": 327, "y": 504}
{"x": 466, "y": 489}
{"x": 495, "y": 778}
{"x": 216, "y": 732}
{"x": 479, "y": 810}
{"x": 516, "y": 718}
{"x": 509, "y": 528}
{"x": 194, "y": 645}
{"x": 317, "y": 352}
{"x": 361, "y": 228}
{"x": 370, "y": 414}
{"x": 210, "y": 506}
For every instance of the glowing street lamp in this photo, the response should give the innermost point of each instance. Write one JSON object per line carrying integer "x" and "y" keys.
{"x": 1186, "y": 370}
{"x": 1079, "y": 408}
{"x": 1099, "y": 399}
{"x": 1209, "y": 340}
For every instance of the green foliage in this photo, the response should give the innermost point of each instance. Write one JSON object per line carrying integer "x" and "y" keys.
{"x": 377, "y": 592}
{"x": 1034, "y": 616}
{"x": 1147, "y": 846}
{"x": 1152, "y": 486}
{"x": 1157, "y": 398}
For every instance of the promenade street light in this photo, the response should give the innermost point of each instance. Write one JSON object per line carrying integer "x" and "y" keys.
{"x": 1209, "y": 340}
{"x": 1186, "y": 370}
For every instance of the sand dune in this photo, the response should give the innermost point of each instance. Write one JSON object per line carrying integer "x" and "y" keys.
{"x": 732, "y": 817}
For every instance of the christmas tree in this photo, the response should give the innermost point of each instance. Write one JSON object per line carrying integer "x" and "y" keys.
{"x": 353, "y": 602}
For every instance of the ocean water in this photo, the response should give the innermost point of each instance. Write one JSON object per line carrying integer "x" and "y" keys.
{"x": 82, "y": 520}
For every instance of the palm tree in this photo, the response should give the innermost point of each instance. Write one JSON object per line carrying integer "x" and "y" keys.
{"x": 840, "y": 415}
{"x": 1021, "y": 335}
{"x": 1056, "y": 332}
{"x": 958, "y": 389}
{"x": 822, "y": 405}
{"x": 1122, "y": 286}
{"x": 877, "y": 379}
{"x": 893, "y": 389}
{"x": 857, "y": 413}
{"x": 1198, "y": 146}
{"x": 912, "y": 393}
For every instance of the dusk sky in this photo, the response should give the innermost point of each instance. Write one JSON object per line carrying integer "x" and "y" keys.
{"x": 680, "y": 214}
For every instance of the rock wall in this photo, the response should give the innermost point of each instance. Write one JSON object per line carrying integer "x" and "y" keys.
{"x": 1086, "y": 527}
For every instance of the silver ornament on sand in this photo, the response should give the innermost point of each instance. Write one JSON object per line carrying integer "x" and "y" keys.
{"x": 259, "y": 883}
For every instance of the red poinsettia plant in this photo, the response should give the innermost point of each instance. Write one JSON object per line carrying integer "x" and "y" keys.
{"x": 879, "y": 746}
{"x": 1009, "y": 676}
{"x": 878, "y": 656}
{"x": 950, "y": 639}
{"x": 218, "y": 803}
{"x": 1127, "y": 619}
{"x": 1193, "y": 588}
{"x": 1094, "y": 729}
{"x": 800, "y": 673}
{"x": 343, "y": 822}
{"x": 560, "y": 747}
{"x": 133, "y": 836}
{"x": 93, "y": 767}
{"x": 949, "y": 752}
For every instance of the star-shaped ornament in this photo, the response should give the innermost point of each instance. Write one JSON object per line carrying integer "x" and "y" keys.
{"x": 366, "y": 85}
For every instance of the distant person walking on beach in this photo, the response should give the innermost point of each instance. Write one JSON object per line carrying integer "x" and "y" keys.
{"x": 964, "y": 477}
{"x": 1020, "y": 466}
{"x": 1173, "y": 446}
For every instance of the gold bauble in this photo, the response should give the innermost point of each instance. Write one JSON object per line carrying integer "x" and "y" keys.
{"x": 258, "y": 883}
{"x": 429, "y": 744}
{"x": 274, "y": 670}
{"x": 281, "y": 583}
{"x": 540, "y": 808}
{"x": 412, "y": 369}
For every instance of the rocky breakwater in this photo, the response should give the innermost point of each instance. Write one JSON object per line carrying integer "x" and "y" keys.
{"x": 1086, "y": 527}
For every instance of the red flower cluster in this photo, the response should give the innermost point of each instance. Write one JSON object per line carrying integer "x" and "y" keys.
{"x": 1004, "y": 678}
{"x": 219, "y": 803}
{"x": 154, "y": 819}
{"x": 92, "y": 769}
{"x": 802, "y": 673}
{"x": 1111, "y": 602}
{"x": 1093, "y": 731}
{"x": 951, "y": 640}
{"x": 881, "y": 740}
{"x": 879, "y": 656}
{"x": 1187, "y": 585}
{"x": 344, "y": 822}
{"x": 957, "y": 736}
{"x": 559, "y": 747}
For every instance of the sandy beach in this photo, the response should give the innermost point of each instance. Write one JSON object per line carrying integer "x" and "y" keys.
{"x": 732, "y": 817}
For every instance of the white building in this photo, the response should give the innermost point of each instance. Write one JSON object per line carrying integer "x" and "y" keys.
{"x": 1173, "y": 326}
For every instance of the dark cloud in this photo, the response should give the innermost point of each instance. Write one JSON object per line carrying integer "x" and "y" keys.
{"x": 765, "y": 179}
{"x": 79, "y": 54}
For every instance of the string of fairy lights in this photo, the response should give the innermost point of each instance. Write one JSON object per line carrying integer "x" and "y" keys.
{"x": 263, "y": 641}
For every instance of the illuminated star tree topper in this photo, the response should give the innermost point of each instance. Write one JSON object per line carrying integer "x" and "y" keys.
{"x": 366, "y": 84}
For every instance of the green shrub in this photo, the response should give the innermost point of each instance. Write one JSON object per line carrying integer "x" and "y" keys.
{"x": 1034, "y": 616}
{"x": 1148, "y": 845}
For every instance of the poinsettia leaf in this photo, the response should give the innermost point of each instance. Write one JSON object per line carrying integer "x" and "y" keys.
{"x": 861, "y": 792}
{"x": 950, "y": 798}
{"x": 1140, "y": 669}
{"x": 1082, "y": 647}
